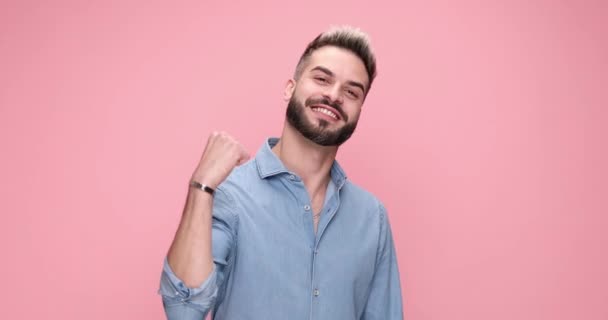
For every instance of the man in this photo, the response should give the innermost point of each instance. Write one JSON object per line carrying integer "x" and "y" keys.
{"x": 286, "y": 235}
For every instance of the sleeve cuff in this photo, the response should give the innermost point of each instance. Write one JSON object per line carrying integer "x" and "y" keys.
{"x": 175, "y": 292}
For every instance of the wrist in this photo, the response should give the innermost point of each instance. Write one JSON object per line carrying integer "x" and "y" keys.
{"x": 195, "y": 184}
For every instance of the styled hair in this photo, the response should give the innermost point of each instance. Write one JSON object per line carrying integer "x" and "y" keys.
{"x": 345, "y": 37}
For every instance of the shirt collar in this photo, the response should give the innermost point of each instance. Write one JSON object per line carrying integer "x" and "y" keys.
{"x": 270, "y": 165}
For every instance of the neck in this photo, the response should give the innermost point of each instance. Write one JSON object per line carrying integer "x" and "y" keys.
{"x": 308, "y": 160}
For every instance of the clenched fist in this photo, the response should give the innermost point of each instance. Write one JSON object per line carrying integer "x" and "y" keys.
{"x": 222, "y": 153}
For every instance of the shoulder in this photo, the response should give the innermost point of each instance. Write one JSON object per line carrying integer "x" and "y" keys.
{"x": 240, "y": 182}
{"x": 241, "y": 175}
{"x": 359, "y": 197}
{"x": 227, "y": 193}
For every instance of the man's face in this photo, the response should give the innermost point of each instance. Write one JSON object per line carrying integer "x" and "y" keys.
{"x": 325, "y": 102}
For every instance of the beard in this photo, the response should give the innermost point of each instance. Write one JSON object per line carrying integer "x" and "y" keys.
{"x": 319, "y": 134}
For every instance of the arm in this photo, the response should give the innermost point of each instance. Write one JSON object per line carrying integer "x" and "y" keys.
{"x": 182, "y": 301}
{"x": 190, "y": 255}
{"x": 190, "y": 278}
{"x": 384, "y": 301}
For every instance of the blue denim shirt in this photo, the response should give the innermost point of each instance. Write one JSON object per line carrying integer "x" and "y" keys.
{"x": 270, "y": 264}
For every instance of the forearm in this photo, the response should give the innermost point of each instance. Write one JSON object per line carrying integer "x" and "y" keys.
{"x": 190, "y": 255}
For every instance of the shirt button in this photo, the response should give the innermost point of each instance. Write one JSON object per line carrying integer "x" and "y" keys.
{"x": 306, "y": 207}
{"x": 292, "y": 177}
{"x": 316, "y": 292}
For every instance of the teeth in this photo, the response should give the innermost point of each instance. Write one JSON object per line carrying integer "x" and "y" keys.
{"x": 327, "y": 112}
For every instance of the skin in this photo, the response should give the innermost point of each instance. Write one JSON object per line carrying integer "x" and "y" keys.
{"x": 307, "y": 159}
{"x": 331, "y": 73}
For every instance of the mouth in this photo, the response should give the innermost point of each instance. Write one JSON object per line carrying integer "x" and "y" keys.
{"x": 326, "y": 111}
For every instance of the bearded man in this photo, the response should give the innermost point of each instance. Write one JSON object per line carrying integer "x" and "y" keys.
{"x": 285, "y": 235}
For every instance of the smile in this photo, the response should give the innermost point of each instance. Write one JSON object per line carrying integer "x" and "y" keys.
{"x": 326, "y": 112}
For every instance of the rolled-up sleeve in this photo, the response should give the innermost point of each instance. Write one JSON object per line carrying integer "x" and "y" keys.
{"x": 179, "y": 300}
{"x": 183, "y": 303}
{"x": 385, "y": 300}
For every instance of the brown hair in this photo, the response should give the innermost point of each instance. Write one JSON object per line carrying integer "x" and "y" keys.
{"x": 346, "y": 37}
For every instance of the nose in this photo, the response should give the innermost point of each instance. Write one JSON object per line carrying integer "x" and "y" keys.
{"x": 334, "y": 94}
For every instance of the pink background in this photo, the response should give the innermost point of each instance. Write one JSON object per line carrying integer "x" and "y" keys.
{"x": 484, "y": 135}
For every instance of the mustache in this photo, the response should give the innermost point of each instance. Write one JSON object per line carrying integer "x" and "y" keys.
{"x": 311, "y": 101}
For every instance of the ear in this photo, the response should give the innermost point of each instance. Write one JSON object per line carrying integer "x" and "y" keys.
{"x": 290, "y": 87}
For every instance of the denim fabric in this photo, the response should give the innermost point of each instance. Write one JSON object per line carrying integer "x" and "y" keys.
{"x": 270, "y": 264}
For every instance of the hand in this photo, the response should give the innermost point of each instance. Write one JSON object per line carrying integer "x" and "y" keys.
{"x": 222, "y": 154}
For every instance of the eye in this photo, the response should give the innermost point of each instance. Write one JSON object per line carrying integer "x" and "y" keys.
{"x": 351, "y": 93}
{"x": 321, "y": 79}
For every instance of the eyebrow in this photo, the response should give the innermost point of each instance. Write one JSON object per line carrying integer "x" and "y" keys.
{"x": 331, "y": 74}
